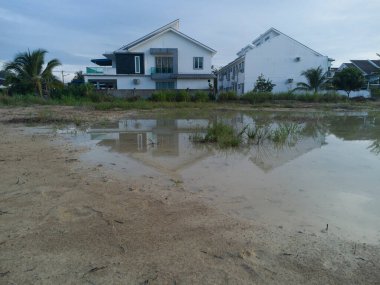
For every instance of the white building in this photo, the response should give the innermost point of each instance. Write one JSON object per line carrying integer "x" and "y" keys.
{"x": 163, "y": 59}
{"x": 275, "y": 55}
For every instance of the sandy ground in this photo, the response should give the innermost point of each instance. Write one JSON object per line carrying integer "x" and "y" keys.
{"x": 66, "y": 222}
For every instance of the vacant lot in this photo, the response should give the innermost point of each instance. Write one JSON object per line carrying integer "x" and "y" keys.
{"x": 63, "y": 221}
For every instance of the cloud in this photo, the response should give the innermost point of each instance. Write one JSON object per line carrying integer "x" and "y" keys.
{"x": 77, "y": 31}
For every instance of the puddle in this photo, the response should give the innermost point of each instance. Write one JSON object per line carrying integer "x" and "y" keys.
{"x": 328, "y": 172}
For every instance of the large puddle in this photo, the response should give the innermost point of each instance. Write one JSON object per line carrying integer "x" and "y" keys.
{"x": 326, "y": 172}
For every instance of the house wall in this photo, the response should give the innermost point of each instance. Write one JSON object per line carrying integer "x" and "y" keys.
{"x": 228, "y": 82}
{"x": 186, "y": 51}
{"x": 193, "y": 84}
{"x": 126, "y": 82}
{"x": 276, "y": 60}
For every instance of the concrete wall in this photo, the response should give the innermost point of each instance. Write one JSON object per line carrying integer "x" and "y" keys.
{"x": 276, "y": 60}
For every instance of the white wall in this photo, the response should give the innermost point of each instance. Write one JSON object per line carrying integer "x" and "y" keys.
{"x": 275, "y": 59}
{"x": 192, "y": 84}
{"x": 364, "y": 93}
{"x": 126, "y": 82}
{"x": 186, "y": 51}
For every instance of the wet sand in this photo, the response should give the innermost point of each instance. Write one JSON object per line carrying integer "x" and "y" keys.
{"x": 64, "y": 221}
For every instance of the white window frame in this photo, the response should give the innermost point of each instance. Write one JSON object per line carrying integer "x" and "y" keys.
{"x": 137, "y": 64}
{"x": 198, "y": 62}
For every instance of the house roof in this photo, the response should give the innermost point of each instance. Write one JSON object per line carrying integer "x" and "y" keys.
{"x": 376, "y": 62}
{"x": 173, "y": 27}
{"x": 347, "y": 64}
{"x": 240, "y": 58}
{"x": 365, "y": 66}
{"x": 102, "y": 61}
{"x": 259, "y": 38}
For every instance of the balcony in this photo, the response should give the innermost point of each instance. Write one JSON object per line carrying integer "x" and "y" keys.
{"x": 161, "y": 70}
{"x": 161, "y": 73}
{"x": 97, "y": 70}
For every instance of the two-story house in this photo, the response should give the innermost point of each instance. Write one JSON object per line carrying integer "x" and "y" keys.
{"x": 277, "y": 56}
{"x": 369, "y": 68}
{"x": 163, "y": 59}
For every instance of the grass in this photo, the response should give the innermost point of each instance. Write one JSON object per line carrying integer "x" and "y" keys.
{"x": 262, "y": 97}
{"x": 220, "y": 134}
{"x": 182, "y": 99}
{"x": 225, "y": 136}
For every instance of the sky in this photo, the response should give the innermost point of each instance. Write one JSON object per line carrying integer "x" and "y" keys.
{"x": 75, "y": 31}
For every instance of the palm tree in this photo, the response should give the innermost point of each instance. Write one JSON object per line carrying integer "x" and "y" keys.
{"x": 315, "y": 80}
{"x": 26, "y": 71}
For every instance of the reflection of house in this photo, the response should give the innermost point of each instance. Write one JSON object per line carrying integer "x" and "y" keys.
{"x": 270, "y": 156}
{"x": 157, "y": 143}
{"x": 275, "y": 55}
{"x": 362, "y": 126}
{"x": 163, "y": 59}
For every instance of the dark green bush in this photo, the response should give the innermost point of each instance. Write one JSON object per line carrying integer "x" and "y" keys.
{"x": 375, "y": 93}
{"x": 183, "y": 96}
{"x": 227, "y": 96}
{"x": 76, "y": 91}
{"x": 158, "y": 96}
{"x": 257, "y": 97}
{"x": 200, "y": 96}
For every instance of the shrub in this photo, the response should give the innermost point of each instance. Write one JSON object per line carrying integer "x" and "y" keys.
{"x": 200, "y": 96}
{"x": 171, "y": 95}
{"x": 375, "y": 93}
{"x": 159, "y": 96}
{"x": 227, "y": 96}
{"x": 257, "y": 97}
{"x": 263, "y": 85}
{"x": 183, "y": 96}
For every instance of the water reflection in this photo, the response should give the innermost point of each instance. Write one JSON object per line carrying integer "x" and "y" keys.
{"x": 324, "y": 170}
{"x": 168, "y": 141}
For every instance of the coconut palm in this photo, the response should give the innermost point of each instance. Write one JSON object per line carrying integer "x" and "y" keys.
{"x": 315, "y": 80}
{"x": 27, "y": 72}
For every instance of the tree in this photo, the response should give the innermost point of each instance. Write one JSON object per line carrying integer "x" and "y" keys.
{"x": 78, "y": 78}
{"x": 315, "y": 80}
{"x": 26, "y": 72}
{"x": 263, "y": 85}
{"x": 349, "y": 79}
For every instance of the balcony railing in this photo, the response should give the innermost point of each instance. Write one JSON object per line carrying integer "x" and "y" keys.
{"x": 161, "y": 70}
{"x": 100, "y": 70}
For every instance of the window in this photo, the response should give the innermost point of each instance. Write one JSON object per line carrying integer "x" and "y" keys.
{"x": 164, "y": 64}
{"x": 198, "y": 62}
{"x": 267, "y": 38}
{"x": 165, "y": 85}
{"x": 137, "y": 64}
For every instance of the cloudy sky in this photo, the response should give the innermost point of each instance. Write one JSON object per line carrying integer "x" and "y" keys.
{"x": 75, "y": 31}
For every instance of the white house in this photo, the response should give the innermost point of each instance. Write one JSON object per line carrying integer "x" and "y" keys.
{"x": 275, "y": 55}
{"x": 163, "y": 59}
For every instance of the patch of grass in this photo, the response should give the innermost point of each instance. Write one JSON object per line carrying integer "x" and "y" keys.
{"x": 286, "y": 133}
{"x": 227, "y": 96}
{"x": 200, "y": 96}
{"x": 258, "y": 134}
{"x": 261, "y": 97}
{"x": 221, "y": 134}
